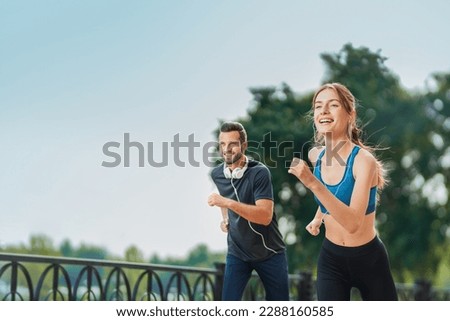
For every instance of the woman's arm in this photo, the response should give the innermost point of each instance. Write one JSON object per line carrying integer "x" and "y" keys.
{"x": 313, "y": 227}
{"x": 350, "y": 217}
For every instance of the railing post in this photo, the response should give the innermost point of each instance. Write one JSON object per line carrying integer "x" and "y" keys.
{"x": 218, "y": 284}
{"x": 422, "y": 290}
{"x": 13, "y": 287}
{"x": 305, "y": 287}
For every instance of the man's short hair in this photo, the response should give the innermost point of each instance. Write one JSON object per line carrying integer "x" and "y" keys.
{"x": 232, "y": 126}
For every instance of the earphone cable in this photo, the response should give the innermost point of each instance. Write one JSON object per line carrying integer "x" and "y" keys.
{"x": 250, "y": 224}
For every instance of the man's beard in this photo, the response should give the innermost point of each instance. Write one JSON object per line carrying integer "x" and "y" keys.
{"x": 233, "y": 159}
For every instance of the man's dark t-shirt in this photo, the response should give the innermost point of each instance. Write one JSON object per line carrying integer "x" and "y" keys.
{"x": 243, "y": 242}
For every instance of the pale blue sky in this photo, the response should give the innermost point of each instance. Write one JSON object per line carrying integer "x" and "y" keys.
{"x": 77, "y": 74}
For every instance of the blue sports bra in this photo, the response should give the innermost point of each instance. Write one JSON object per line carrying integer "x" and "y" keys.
{"x": 343, "y": 190}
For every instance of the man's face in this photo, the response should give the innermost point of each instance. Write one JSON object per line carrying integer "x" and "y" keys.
{"x": 231, "y": 147}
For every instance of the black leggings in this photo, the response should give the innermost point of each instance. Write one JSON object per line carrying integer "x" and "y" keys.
{"x": 364, "y": 267}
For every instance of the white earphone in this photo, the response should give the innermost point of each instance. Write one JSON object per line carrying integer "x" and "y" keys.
{"x": 237, "y": 173}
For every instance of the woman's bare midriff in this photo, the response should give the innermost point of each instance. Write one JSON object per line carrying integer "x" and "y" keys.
{"x": 339, "y": 236}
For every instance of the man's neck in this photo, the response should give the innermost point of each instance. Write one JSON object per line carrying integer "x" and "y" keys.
{"x": 240, "y": 163}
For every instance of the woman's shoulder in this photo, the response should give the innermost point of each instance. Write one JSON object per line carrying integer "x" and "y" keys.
{"x": 365, "y": 155}
{"x": 364, "y": 159}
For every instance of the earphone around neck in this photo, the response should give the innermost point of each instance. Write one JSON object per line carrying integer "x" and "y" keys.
{"x": 237, "y": 173}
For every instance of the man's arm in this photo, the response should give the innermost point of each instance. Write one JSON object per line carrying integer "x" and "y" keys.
{"x": 224, "y": 223}
{"x": 260, "y": 213}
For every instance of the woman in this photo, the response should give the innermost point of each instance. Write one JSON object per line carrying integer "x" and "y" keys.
{"x": 345, "y": 182}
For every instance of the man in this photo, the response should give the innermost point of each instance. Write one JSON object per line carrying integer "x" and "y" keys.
{"x": 246, "y": 200}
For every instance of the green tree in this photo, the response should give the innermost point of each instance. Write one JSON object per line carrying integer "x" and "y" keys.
{"x": 42, "y": 245}
{"x": 201, "y": 256}
{"x": 91, "y": 252}
{"x": 133, "y": 254}
{"x": 66, "y": 248}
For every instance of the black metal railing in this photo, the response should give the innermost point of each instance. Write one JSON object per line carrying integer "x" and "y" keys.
{"x": 37, "y": 278}
{"x": 42, "y": 278}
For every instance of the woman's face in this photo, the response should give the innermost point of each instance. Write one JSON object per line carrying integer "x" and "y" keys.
{"x": 330, "y": 115}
